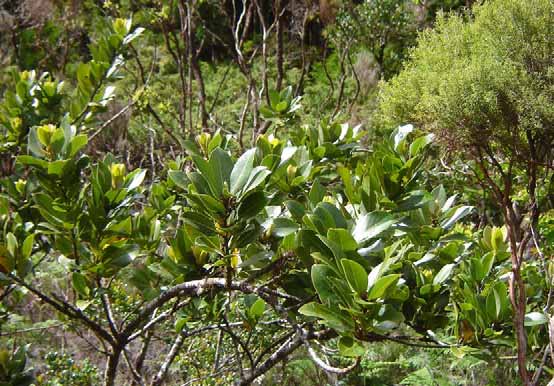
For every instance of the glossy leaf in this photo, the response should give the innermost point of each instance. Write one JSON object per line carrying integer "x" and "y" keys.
{"x": 443, "y": 274}
{"x": 381, "y": 285}
{"x": 241, "y": 170}
{"x": 355, "y": 275}
{"x": 535, "y": 319}
{"x": 371, "y": 226}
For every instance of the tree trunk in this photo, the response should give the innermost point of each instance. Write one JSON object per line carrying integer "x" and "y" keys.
{"x": 517, "y": 294}
{"x": 279, "y": 5}
{"x": 111, "y": 367}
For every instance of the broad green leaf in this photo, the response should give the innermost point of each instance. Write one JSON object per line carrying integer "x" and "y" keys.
{"x": 376, "y": 247}
{"x": 180, "y": 250}
{"x": 257, "y": 309}
{"x": 141, "y": 278}
{"x": 206, "y": 171}
{"x": 420, "y": 143}
{"x": 381, "y": 285}
{"x": 207, "y": 202}
{"x": 502, "y": 291}
{"x": 215, "y": 141}
{"x": 400, "y": 134}
{"x": 443, "y": 274}
{"x": 208, "y": 244}
{"x": 428, "y": 289}
{"x": 179, "y": 178}
{"x": 413, "y": 200}
{"x": 251, "y": 205}
{"x": 121, "y": 26}
{"x": 296, "y": 209}
{"x": 200, "y": 222}
{"x": 80, "y": 284}
{"x": 45, "y": 134}
{"x": 266, "y": 112}
{"x": 27, "y": 247}
{"x": 333, "y": 318}
{"x": 119, "y": 257}
{"x": 135, "y": 179}
{"x": 283, "y": 226}
{"x": 497, "y": 237}
{"x": 330, "y": 216}
{"x": 32, "y": 161}
{"x": 485, "y": 266}
{"x": 34, "y": 143}
{"x": 257, "y": 176}
{"x": 191, "y": 147}
{"x": 246, "y": 236}
{"x": 241, "y": 171}
{"x": 423, "y": 376}
{"x": 259, "y": 259}
{"x": 535, "y": 319}
{"x": 321, "y": 275}
{"x": 317, "y": 192}
{"x": 281, "y": 107}
{"x": 372, "y": 225}
{"x": 343, "y": 238}
{"x": 122, "y": 227}
{"x": 221, "y": 165}
{"x": 448, "y": 203}
{"x": 180, "y": 323}
{"x": 374, "y": 275}
{"x": 133, "y": 35}
{"x": 274, "y": 98}
{"x": 287, "y": 154}
{"x": 355, "y": 275}
{"x": 346, "y": 177}
{"x": 199, "y": 182}
{"x": 11, "y": 244}
{"x": 487, "y": 234}
{"x": 494, "y": 304}
{"x": 77, "y": 144}
{"x": 56, "y": 167}
{"x": 455, "y": 215}
{"x": 82, "y": 304}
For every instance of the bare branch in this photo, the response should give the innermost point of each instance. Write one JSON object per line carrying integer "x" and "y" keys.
{"x": 327, "y": 367}
{"x": 66, "y": 309}
{"x": 283, "y": 352}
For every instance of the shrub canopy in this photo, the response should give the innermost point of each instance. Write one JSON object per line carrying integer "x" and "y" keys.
{"x": 483, "y": 82}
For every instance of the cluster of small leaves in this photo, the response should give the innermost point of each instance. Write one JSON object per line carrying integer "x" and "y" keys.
{"x": 39, "y": 99}
{"x": 481, "y": 83}
{"x": 61, "y": 369}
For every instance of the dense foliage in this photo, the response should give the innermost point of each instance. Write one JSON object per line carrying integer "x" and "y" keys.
{"x": 277, "y": 230}
{"x": 485, "y": 87}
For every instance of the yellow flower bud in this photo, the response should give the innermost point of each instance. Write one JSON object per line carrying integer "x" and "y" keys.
{"x": 49, "y": 88}
{"x": 200, "y": 256}
{"x": 20, "y": 185}
{"x": 273, "y": 141}
{"x": 291, "y": 172}
{"x": 118, "y": 175}
{"x": 235, "y": 258}
{"x": 16, "y": 123}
